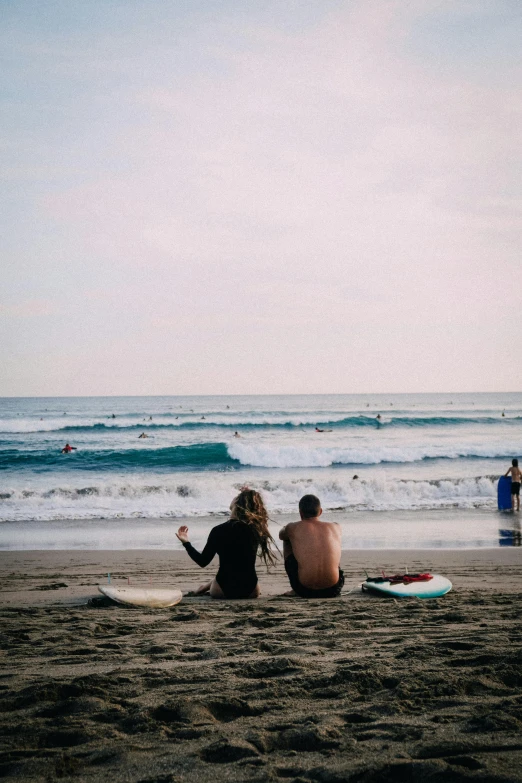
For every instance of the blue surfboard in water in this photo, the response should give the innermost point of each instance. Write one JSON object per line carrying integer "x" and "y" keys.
{"x": 504, "y": 493}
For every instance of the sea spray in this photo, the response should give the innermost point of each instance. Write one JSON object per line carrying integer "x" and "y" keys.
{"x": 195, "y": 495}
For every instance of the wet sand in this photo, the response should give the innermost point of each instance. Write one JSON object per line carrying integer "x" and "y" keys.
{"x": 358, "y": 688}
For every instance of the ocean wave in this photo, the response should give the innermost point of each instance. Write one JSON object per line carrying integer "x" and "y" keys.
{"x": 199, "y": 456}
{"x": 208, "y": 494}
{"x": 250, "y": 421}
{"x": 252, "y": 454}
{"x": 284, "y": 456}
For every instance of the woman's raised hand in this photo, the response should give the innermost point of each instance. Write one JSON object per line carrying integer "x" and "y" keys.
{"x": 182, "y": 534}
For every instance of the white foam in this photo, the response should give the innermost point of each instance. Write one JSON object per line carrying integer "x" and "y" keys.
{"x": 262, "y": 454}
{"x": 195, "y": 495}
{"x": 21, "y": 425}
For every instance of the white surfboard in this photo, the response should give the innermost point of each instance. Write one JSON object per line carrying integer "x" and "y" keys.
{"x": 438, "y": 585}
{"x": 135, "y": 596}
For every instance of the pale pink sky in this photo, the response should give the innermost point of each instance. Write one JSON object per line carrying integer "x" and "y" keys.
{"x": 280, "y": 197}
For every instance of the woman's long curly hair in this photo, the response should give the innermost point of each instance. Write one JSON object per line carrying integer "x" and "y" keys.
{"x": 249, "y": 508}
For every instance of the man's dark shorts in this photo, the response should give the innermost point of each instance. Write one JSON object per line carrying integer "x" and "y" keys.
{"x": 292, "y": 569}
{"x": 515, "y": 487}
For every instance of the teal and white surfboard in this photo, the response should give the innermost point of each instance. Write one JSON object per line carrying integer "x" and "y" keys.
{"x": 438, "y": 585}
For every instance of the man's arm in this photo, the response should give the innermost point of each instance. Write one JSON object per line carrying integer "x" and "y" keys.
{"x": 507, "y": 474}
{"x": 284, "y": 534}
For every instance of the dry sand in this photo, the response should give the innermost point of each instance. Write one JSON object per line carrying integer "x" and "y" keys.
{"x": 353, "y": 689}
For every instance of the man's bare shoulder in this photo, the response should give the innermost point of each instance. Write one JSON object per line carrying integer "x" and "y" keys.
{"x": 335, "y": 527}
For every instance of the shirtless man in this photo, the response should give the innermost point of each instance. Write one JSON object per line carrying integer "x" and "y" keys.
{"x": 312, "y": 552}
{"x": 516, "y": 479}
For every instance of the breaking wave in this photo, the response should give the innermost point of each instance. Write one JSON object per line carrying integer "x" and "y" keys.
{"x": 284, "y": 456}
{"x": 246, "y": 422}
{"x": 196, "y": 495}
{"x": 223, "y": 456}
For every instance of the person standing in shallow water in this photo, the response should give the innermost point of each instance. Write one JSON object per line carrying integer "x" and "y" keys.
{"x": 312, "y": 552}
{"x": 236, "y": 542}
{"x": 516, "y": 479}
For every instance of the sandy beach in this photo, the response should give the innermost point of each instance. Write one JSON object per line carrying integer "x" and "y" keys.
{"x": 352, "y": 689}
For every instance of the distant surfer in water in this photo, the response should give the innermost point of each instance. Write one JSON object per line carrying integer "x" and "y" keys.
{"x": 237, "y": 435}
{"x": 236, "y": 542}
{"x": 143, "y": 435}
{"x": 318, "y": 430}
{"x": 67, "y": 449}
{"x": 516, "y": 479}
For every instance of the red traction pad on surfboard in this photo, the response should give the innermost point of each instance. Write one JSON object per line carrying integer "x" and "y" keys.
{"x": 402, "y": 579}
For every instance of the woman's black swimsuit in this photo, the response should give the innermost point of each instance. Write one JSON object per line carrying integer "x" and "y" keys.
{"x": 236, "y": 544}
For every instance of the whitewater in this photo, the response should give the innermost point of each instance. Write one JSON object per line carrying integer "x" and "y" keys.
{"x": 361, "y": 454}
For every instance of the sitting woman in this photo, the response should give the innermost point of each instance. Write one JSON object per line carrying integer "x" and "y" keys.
{"x": 236, "y": 542}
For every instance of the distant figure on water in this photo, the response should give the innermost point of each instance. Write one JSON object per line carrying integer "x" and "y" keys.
{"x": 236, "y": 542}
{"x": 143, "y": 435}
{"x": 237, "y": 435}
{"x": 67, "y": 449}
{"x": 516, "y": 479}
{"x": 312, "y": 552}
{"x": 318, "y": 430}
{"x": 378, "y": 417}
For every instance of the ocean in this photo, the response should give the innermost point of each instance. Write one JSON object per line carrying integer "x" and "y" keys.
{"x": 395, "y": 470}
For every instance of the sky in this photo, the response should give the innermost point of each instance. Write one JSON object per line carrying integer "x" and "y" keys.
{"x": 279, "y": 196}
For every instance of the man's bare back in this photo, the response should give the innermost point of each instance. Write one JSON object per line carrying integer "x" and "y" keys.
{"x": 316, "y": 546}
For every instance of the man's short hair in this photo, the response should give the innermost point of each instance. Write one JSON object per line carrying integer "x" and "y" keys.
{"x": 309, "y": 506}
